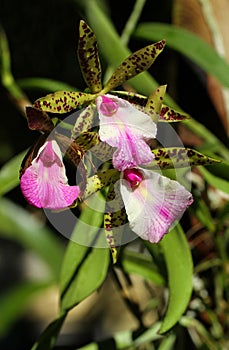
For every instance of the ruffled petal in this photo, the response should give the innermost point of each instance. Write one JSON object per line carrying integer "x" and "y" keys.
{"x": 44, "y": 183}
{"x": 154, "y": 205}
{"x": 125, "y": 127}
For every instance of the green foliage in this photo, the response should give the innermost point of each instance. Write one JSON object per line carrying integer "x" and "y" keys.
{"x": 84, "y": 267}
{"x": 178, "y": 258}
{"x": 189, "y": 45}
{"x": 16, "y": 224}
{"x": 9, "y": 177}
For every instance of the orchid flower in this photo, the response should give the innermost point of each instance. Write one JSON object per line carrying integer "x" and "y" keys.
{"x": 44, "y": 183}
{"x": 128, "y": 129}
{"x": 152, "y": 202}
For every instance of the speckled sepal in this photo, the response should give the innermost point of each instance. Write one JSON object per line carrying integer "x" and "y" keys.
{"x": 100, "y": 180}
{"x": 178, "y": 157}
{"x": 89, "y": 58}
{"x": 154, "y": 103}
{"x": 38, "y": 120}
{"x": 136, "y": 63}
{"x": 63, "y": 101}
{"x": 84, "y": 121}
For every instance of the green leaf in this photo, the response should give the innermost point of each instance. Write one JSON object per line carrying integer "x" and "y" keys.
{"x": 180, "y": 273}
{"x": 135, "y": 64}
{"x": 89, "y": 274}
{"x": 9, "y": 173}
{"x": 16, "y": 224}
{"x": 6, "y": 76}
{"x": 178, "y": 157}
{"x": 63, "y": 101}
{"x": 189, "y": 45}
{"x": 91, "y": 346}
{"x": 215, "y": 181}
{"x": 84, "y": 268}
{"x": 150, "y": 335}
{"x": 141, "y": 265}
{"x": 168, "y": 342}
{"x": 201, "y": 211}
{"x": 48, "y": 337}
{"x": 205, "y": 336}
{"x": 44, "y": 84}
{"x": 13, "y": 303}
{"x": 89, "y": 58}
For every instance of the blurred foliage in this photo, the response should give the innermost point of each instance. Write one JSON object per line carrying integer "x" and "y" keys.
{"x": 38, "y": 56}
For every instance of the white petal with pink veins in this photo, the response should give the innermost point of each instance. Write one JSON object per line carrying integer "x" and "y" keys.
{"x": 125, "y": 127}
{"x": 154, "y": 205}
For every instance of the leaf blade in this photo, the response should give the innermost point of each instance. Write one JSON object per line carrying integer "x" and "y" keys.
{"x": 196, "y": 50}
{"x": 178, "y": 258}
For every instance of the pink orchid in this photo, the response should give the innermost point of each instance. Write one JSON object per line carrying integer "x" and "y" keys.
{"x": 126, "y": 128}
{"x": 44, "y": 183}
{"x": 153, "y": 202}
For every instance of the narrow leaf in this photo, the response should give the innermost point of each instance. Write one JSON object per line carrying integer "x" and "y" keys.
{"x": 84, "y": 268}
{"x": 179, "y": 157}
{"x": 89, "y": 58}
{"x": 215, "y": 181}
{"x": 206, "y": 337}
{"x": 189, "y": 45}
{"x": 63, "y": 101}
{"x": 180, "y": 272}
{"x": 44, "y": 84}
{"x": 13, "y": 303}
{"x": 141, "y": 265}
{"x": 135, "y": 64}
{"x": 9, "y": 177}
{"x": 48, "y": 337}
{"x": 201, "y": 210}
{"x": 87, "y": 277}
{"x": 16, "y": 224}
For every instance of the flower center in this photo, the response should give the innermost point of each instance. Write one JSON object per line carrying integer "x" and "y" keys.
{"x": 108, "y": 106}
{"x": 133, "y": 176}
{"x": 48, "y": 155}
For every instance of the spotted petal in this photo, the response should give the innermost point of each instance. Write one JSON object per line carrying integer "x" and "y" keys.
{"x": 126, "y": 128}
{"x": 154, "y": 204}
{"x": 44, "y": 183}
